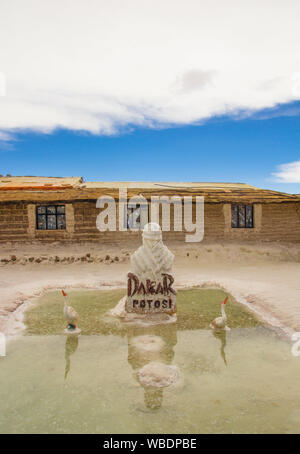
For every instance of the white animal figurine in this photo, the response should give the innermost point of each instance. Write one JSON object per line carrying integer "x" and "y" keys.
{"x": 219, "y": 323}
{"x": 71, "y": 316}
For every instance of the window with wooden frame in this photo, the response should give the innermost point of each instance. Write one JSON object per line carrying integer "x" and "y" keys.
{"x": 242, "y": 216}
{"x": 51, "y": 217}
{"x": 136, "y": 216}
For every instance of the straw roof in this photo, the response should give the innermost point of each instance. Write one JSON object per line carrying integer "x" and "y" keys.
{"x": 41, "y": 183}
{"x": 38, "y": 189}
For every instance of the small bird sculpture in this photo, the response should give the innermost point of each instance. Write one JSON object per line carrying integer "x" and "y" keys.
{"x": 219, "y": 323}
{"x": 70, "y": 314}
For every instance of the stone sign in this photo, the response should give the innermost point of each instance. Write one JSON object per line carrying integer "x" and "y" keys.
{"x": 151, "y": 296}
{"x": 150, "y": 282}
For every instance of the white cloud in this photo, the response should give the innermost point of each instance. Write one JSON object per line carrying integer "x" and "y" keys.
{"x": 288, "y": 173}
{"x": 194, "y": 80}
{"x": 99, "y": 65}
{"x": 5, "y": 137}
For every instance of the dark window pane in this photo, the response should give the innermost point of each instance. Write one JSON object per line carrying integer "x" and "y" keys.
{"x": 242, "y": 216}
{"x": 134, "y": 217}
{"x": 249, "y": 216}
{"x": 51, "y": 222}
{"x": 234, "y": 216}
{"x": 41, "y": 222}
{"x": 60, "y": 209}
{"x": 131, "y": 218}
{"x": 51, "y": 217}
{"x": 41, "y": 210}
{"x": 51, "y": 210}
{"x": 61, "y": 221}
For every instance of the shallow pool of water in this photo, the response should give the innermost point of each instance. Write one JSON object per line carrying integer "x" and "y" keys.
{"x": 242, "y": 381}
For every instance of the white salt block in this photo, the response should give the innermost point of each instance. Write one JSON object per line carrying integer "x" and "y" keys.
{"x": 158, "y": 375}
{"x": 148, "y": 343}
{"x": 72, "y": 331}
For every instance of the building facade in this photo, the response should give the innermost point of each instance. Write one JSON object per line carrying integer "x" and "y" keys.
{"x": 65, "y": 209}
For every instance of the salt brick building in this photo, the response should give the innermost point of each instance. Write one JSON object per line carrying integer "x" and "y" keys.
{"x": 64, "y": 209}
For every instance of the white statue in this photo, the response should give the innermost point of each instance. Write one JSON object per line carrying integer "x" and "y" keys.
{"x": 150, "y": 282}
{"x": 153, "y": 258}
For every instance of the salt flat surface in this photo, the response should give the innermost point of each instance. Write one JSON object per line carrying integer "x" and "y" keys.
{"x": 266, "y": 277}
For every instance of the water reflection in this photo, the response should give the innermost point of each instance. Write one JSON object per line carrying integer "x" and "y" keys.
{"x": 151, "y": 345}
{"x": 221, "y": 335}
{"x": 153, "y": 397}
{"x": 70, "y": 348}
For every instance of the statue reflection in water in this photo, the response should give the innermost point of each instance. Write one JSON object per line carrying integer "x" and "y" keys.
{"x": 70, "y": 348}
{"x": 152, "y": 346}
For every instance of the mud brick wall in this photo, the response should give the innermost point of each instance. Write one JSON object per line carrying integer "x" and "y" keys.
{"x": 214, "y": 221}
{"x": 273, "y": 222}
{"x": 18, "y": 223}
{"x": 85, "y": 215}
{"x": 281, "y": 222}
{"x": 214, "y": 224}
{"x": 13, "y": 221}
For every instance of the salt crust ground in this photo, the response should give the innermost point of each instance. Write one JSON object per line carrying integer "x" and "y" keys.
{"x": 266, "y": 277}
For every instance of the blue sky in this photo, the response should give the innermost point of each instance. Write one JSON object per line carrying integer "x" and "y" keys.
{"x": 221, "y": 149}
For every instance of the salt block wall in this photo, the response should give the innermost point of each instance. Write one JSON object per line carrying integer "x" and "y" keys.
{"x": 85, "y": 229}
{"x": 13, "y": 221}
{"x": 281, "y": 221}
{"x": 85, "y": 215}
{"x": 214, "y": 221}
{"x": 273, "y": 222}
